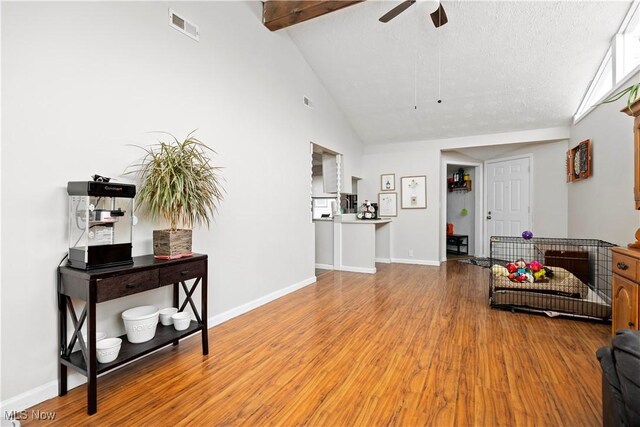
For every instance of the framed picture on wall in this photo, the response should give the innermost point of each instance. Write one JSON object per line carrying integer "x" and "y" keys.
{"x": 387, "y": 204}
{"x": 579, "y": 161}
{"x": 388, "y": 182}
{"x": 413, "y": 192}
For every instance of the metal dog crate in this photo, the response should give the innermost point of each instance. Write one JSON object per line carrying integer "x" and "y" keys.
{"x": 579, "y": 284}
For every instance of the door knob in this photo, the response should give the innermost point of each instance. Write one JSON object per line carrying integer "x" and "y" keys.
{"x": 488, "y": 216}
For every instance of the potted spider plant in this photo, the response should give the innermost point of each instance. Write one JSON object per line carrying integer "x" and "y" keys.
{"x": 632, "y": 93}
{"x": 180, "y": 185}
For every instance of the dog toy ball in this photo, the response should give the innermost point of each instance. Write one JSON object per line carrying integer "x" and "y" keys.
{"x": 527, "y": 235}
{"x": 535, "y": 266}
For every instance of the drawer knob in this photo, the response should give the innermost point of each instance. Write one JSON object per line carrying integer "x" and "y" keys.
{"x": 184, "y": 272}
{"x": 131, "y": 285}
{"x": 622, "y": 266}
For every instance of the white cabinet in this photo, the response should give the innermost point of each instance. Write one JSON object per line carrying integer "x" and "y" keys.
{"x": 326, "y": 179}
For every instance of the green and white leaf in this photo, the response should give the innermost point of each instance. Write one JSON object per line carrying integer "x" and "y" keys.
{"x": 178, "y": 182}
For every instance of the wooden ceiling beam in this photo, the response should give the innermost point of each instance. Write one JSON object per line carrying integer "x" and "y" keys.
{"x": 278, "y": 14}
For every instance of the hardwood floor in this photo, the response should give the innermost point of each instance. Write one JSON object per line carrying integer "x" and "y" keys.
{"x": 410, "y": 345}
{"x": 320, "y": 272}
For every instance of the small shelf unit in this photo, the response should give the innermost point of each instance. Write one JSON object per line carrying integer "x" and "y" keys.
{"x": 460, "y": 186}
{"x": 461, "y": 243}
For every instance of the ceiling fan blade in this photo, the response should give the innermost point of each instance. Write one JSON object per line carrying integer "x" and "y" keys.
{"x": 396, "y": 11}
{"x": 439, "y": 17}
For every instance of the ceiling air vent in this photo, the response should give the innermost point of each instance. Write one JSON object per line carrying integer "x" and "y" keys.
{"x": 184, "y": 26}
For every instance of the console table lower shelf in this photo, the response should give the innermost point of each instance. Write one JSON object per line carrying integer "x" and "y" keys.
{"x": 165, "y": 335}
{"x": 96, "y": 286}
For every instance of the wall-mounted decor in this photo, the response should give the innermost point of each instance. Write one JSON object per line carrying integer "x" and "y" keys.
{"x": 579, "y": 161}
{"x": 388, "y": 204}
{"x": 388, "y": 182}
{"x": 414, "y": 192}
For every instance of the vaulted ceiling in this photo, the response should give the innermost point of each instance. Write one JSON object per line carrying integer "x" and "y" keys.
{"x": 504, "y": 65}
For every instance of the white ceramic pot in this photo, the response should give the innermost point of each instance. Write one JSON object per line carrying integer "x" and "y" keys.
{"x": 165, "y": 315}
{"x": 181, "y": 320}
{"x": 99, "y": 336}
{"x": 107, "y": 349}
{"x": 140, "y": 323}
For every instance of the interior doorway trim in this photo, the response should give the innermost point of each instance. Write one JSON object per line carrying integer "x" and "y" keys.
{"x": 478, "y": 204}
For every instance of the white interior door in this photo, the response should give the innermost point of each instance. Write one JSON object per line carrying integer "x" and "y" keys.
{"x": 508, "y": 198}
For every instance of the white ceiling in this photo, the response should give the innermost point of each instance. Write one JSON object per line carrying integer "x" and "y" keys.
{"x": 506, "y": 65}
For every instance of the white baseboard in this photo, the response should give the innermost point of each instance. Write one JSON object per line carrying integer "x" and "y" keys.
{"x": 39, "y": 394}
{"x": 251, "y": 305}
{"x": 49, "y": 390}
{"x": 324, "y": 266}
{"x": 384, "y": 260}
{"x": 416, "y": 261}
{"x": 358, "y": 269}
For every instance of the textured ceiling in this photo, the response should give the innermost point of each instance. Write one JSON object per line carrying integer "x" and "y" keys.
{"x": 505, "y": 66}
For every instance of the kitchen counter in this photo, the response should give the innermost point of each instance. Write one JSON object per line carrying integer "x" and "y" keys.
{"x": 367, "y": 221}
{"x": 360, "y": 247}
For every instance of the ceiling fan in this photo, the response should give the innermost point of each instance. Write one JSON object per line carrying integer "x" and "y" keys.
{"x": 439, "y": 17}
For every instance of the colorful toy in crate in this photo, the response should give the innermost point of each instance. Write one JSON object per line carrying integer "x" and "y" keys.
{"x": 521, "y": 271}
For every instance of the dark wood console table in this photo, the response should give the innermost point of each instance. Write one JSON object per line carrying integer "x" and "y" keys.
{"x": 96, "y": 286}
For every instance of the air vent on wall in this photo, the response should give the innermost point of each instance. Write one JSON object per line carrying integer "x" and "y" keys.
{"x": 184, "y": 26}
{"x": 307, "y": 102}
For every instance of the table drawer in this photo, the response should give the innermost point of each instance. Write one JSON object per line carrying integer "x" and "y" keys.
{"x": 127, "y": 284}
{"x": 181, "y": 272}
{"x": 625, "y": 266}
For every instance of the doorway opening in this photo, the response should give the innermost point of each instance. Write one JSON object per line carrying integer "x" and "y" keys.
{"x": 461, "y": 204}
{"x": 461, "y": 225}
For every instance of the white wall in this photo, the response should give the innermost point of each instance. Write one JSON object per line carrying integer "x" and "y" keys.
{"x": 82, "y": 80}
{"x": 550, "y": 188}
{"x": 602, "y": 206}
{"x": 413, "y": 230}
{"x": 421, "y": 230}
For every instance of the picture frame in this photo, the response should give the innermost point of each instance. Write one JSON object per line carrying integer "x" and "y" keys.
{"x": 579, "y": 159}
{"x": 387, "y": 204}
{"x": 413, "y": 192}
{"x": 388, "y": 182}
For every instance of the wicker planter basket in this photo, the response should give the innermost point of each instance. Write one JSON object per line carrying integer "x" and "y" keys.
{"x": 168, "y": 244}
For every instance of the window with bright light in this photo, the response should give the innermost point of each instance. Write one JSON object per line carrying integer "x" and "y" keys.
{"x": 600, "y": 86}
{"x": 622, "y": 60}
{"x": 630, "y": 44}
